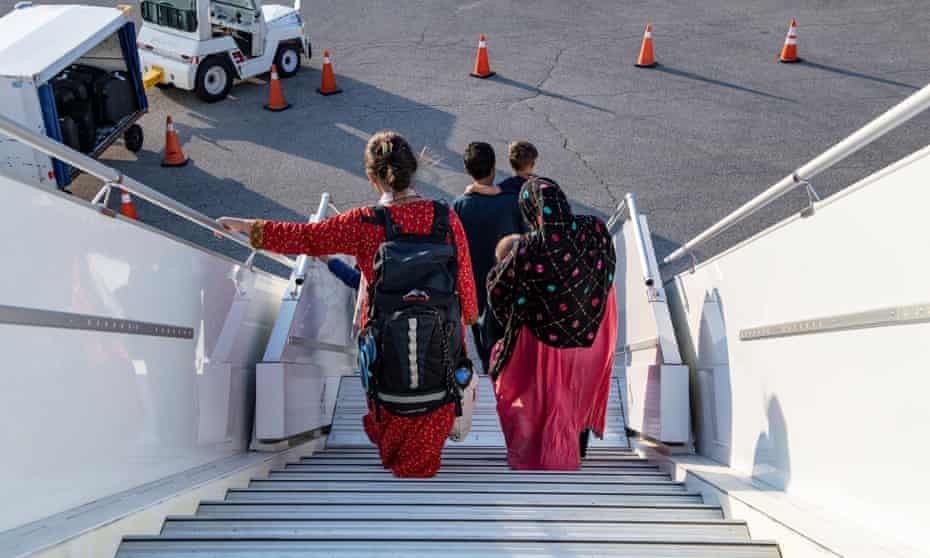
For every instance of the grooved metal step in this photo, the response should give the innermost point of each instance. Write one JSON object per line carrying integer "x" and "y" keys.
{"x": 415, "y": 498}
{"x": 476, "y": 529}
{"x": 457, "y": 510}
{"x": 180, "y": 547}
{"x": 467, "y": 476}
{"x": 342, "y": 503}
{"x": 439, "y": 486}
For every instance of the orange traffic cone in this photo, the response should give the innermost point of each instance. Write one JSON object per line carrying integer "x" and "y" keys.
{"x": 276, "y": 102}
{"x": 482, "y": 66}
{"x": 646, "y": 58}
{"x": 126, "y": 208}
{"x": 789, "y": 53}
{"x": 328, "y": 82}
{"x": 174, "y": 157}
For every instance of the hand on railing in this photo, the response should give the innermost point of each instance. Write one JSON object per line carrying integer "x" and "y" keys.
{"x": 235, "y": 224}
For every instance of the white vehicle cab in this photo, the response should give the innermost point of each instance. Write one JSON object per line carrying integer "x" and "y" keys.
{"x": 203, "y": 45}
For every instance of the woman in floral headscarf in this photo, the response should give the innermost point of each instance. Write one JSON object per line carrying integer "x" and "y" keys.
{"x": 552, "y": 370}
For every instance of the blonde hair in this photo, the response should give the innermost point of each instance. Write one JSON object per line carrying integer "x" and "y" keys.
{"x": 505, "y": 246}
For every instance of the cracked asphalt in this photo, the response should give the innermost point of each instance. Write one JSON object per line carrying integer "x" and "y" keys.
{"x": 716, "y": 123}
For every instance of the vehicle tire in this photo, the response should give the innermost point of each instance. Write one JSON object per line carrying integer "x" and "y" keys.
{"x": 133, "y": 138}
{"x": 214, "y": 79}
{"x": 287, "y": 60}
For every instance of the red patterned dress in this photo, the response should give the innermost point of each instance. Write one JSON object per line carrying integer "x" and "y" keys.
{"x": 409, "y": 446}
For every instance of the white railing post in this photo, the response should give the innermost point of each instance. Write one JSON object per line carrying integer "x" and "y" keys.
{"x": 300, "y": 270}
{"x": 648, "y": 277}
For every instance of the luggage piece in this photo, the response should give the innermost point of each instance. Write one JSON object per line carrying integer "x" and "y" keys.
{"x": 415, "y": 318}
{"x": 73, "y": 100}
{"x": 70, "y": 135}
{"x": 115, "y": 99}
{"x": 111, "y": 92}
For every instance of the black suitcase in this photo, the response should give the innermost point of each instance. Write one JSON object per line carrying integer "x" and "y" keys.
{"x": 115, "y": 98}
{"x": 70, "y": 135}
{"x": 112, "y": 93}
{"x": 72, "y": 100}
{"x": 70, "y": 95}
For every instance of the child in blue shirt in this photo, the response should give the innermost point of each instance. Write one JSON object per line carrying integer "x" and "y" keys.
{"x": 522, "y": 155}
{"x": 348, "y": 275}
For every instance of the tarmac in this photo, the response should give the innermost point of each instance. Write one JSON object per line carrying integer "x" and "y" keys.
{"x": 717, "y": 122}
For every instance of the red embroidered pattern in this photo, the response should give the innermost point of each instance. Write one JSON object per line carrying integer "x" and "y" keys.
{"x": 347, "y": 233}
{"x": 410, "y": 446}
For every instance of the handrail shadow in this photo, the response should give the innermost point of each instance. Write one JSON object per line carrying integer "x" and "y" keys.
{"x": 860, "y": 75}
{"x": 696, "y": 77}
{"x": 542, "y": 92}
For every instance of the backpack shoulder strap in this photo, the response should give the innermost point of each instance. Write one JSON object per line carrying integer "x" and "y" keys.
{"x": 442, "y": 230}
{"x": 383, "y": 217}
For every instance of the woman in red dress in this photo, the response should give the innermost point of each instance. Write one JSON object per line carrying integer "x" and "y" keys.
{"x": 409, "y": 446}
{"x": 552, "y": 369}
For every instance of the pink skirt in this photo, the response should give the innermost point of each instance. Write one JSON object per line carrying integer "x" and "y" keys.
{"x": 546, "y": 396}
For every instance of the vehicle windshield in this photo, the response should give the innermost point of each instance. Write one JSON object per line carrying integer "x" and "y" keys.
{"x": 242, "y": 4}
{"x": 177, "y": 14}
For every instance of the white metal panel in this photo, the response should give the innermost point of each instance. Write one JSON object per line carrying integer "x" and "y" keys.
{"x": 643, "y": 311}
{"x": 38, "y": 42}
{"x": 803, "y": 411}
{"x": 313, "y": 353}
{"x": 102, "y": 412}
{"x": 656, "y": 389}
{"x": 289, "y": 400}
{"x": 20, "y": 102}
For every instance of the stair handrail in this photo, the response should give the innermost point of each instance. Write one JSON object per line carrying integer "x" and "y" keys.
{"x": 884, "y": 123}
{"x": 300, "y": 270}
{"x": 628, "y": 203}
{"x": 114, "y": 178}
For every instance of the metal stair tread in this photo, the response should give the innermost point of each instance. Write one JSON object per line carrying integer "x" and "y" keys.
{"x": 455, "y": 510}
{"x": 343, "y": 503}
{"x": 417, "y": 498}
{"x": 469, "y": 529}
{"x": 141, "y": 546}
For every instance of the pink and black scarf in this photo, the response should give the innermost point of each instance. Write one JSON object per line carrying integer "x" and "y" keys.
{"x": 556, "y": 281}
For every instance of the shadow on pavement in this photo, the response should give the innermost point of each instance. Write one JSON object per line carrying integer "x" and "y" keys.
{"x": 542, "y": 92}
{"x": 860, "y": 75}
{"x": 720, "y": 83}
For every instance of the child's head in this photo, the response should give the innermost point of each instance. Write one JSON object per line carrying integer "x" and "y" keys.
{"x": 505, "y": 246}
{"x": 390, "y": 161}
{"x": 522, "y": 155}
{"x": 479, "y": 160}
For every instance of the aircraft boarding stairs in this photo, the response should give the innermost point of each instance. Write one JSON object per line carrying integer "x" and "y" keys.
{"x": 341, "y": 502}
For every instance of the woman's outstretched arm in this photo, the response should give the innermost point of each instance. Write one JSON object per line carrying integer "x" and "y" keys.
{"x": 342, "y": 234}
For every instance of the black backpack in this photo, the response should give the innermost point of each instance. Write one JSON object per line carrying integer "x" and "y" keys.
{"x": 414, "y": 316}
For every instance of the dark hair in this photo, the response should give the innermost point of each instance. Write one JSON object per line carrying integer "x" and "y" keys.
{"x": 479, "y": 159}
{"x": 389, "y": 158}
{"x": 521, "y": 154}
